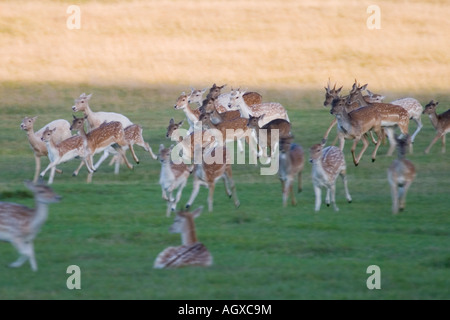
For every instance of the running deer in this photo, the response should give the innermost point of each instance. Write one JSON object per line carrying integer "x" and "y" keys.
{"x": 228, "y": 131}
{"x": 291, "y": 163}
{"x": 214, "y": 166}
{"x": 61, "y": 152}
{"x": 222, "y": 100}
{"x": 96, "y": 119}
{"x": 401, "y": 174}
{"x": 191, "y": 252}
{"x": 280, "y": 126}
{"x": 192, "y": 115}
{"x": 19, "y": 224}
{"x": 196, "y": 96}
{"x": 440, "y": 122}
{"x": 327, "y": 164}
{"x": 172, "y": 177}
{"x": 333, "y": 93}
{"x": 272, "y": 110}
{"x": 37, "y": 145}
{"x": 391, "y": 114}
{"x": 100, "y": 138}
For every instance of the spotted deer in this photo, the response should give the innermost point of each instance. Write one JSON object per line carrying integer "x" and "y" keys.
{"x": 19, "y": 224}
{"x": 282, "y": 128}
{"x": 440, "y": 122}
{"x": 332, "y": 93}
{"x": 172, "y": 177}
{"x": 97, "y": 140}
{"x": 61, "y": 152}
{"x": 191, "y": 252}
{"x": 291, "y": 163}
{"x": 327, "y": 164}
{"x": 215, "y": 164}
{"x": 222, "y": 100}
{"x": 96, "y": 119}
{"x": 39, "y": 148}
{"x": 196, "y": 96}
{"x": 272, "y": 110}
{"x": 401, "y": 174}
{"x": 391, "y": 114}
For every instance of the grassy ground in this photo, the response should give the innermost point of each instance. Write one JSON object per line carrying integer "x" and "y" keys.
{"x": 114, "y": 228}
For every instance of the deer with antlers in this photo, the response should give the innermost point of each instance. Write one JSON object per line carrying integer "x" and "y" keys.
{"x": 191, "y": 252}
{"x": 401, "y": 174}
{"x": 39, "y": 148}
{"x": 440, "y": 122}
{"x": 19, "y": 224}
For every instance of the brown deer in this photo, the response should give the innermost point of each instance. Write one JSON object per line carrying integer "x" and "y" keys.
{"x": 62, "y": 152}
{"x": 401, "y": 174}
{"x": 62, "y": 132}
{"x": 19, "y": 224}
{"x": 97, "y": 140}
{"x": 215, "y": 165}
{"x": 291, "y": 163}
{"x": 172, "y": 177}
{"x": 191, "y": 252}
{"x": 282, "y": 128}
{"x": 355, "y": 124}
{"x": 222, "y": 100}
{"x": 390, "y": 114}
{"x": 327, "y": 164}
{"x": 440, "y": 122}
{"x": 192, "y": 115}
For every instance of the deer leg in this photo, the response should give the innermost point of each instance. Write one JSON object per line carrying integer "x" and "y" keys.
{"x": 374, "y": 153}
{"x": 37, "y": 161}
{"x": 365, "y": 145}
{"x": 195, "y": 190}
{"x": 147, "y": 147}
{"x": 332, "y": 124}
{"x": 394, "y": 195}
{"x": 419, "y": 127}
{"x": 211, "y": 188}
{"x": 443, "y": 143}
{"x": 402, "y": 199}
{"x": 333, "y": 196}
{"x": 105, "y": 155}
{"x": 327, "y": 197}
{"x": 299, "y": 177}
{"x": 229, "y": 178}
{"x": 392, "y": 143}
{"x": 124, "y": 157}
{"x": 436, "y": 138}
{"x": 318, "y": 194}
{"x": 75, "y": 173}
{"x": 343, "y": 175}
{"x": 291, "y": 191}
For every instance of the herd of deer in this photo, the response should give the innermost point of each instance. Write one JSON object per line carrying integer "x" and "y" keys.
{"x": 238, "y": 116}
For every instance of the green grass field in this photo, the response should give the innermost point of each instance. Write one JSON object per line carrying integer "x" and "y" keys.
{"x": 114, "y": 228}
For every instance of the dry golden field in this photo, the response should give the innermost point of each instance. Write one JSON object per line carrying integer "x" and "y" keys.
{"x": 285, "y": 44}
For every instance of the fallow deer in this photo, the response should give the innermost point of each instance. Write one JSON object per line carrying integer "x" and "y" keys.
{"x": 327, "y": 164}
{"x": 272, "y": 110}
{"x": 391, "y": 114}
{"x": 62, "y": 132}
{"x": 291, "y": 163}
{"x": 19, "y": 224}
{"x": 97, "y": 140}
{"x": 401, "y": 174}
{"x": 281, "y": 126}
{"x": 440, "y": 122}
{"x": 222, "y": 100}
{"x": 172, "y": 177}
{"x": 214, "y": 166}
{"x": 192, "y": 115}
{"x": 191, "y": 252}
{"x": 62, "y": 152}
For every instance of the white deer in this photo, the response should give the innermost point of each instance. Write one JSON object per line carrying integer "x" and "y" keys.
{"x": 327, "y": 164}
{"x": 172, "y": 177}
{"x": 62, "y": 132}
{"x": 20, "y": 224}
{"x": 191, "y": 252}
{"x": 95, "y": 119}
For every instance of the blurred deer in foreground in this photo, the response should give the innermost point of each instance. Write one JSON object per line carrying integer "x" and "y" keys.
{"x": 401, "y": 174}
{"x": 191, "y": 252}
{"x": 20, "y": 224}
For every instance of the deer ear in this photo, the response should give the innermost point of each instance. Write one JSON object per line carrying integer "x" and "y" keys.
{"x": 171, "y": 121}
{"x": 89, "y": 97}
{"x": 197, "y": 212}
{"x": 339, "y": 90}
{"x": 180, "y": 123}
{"x": 161, "y": 147}
{"x": 437, "y": 102}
